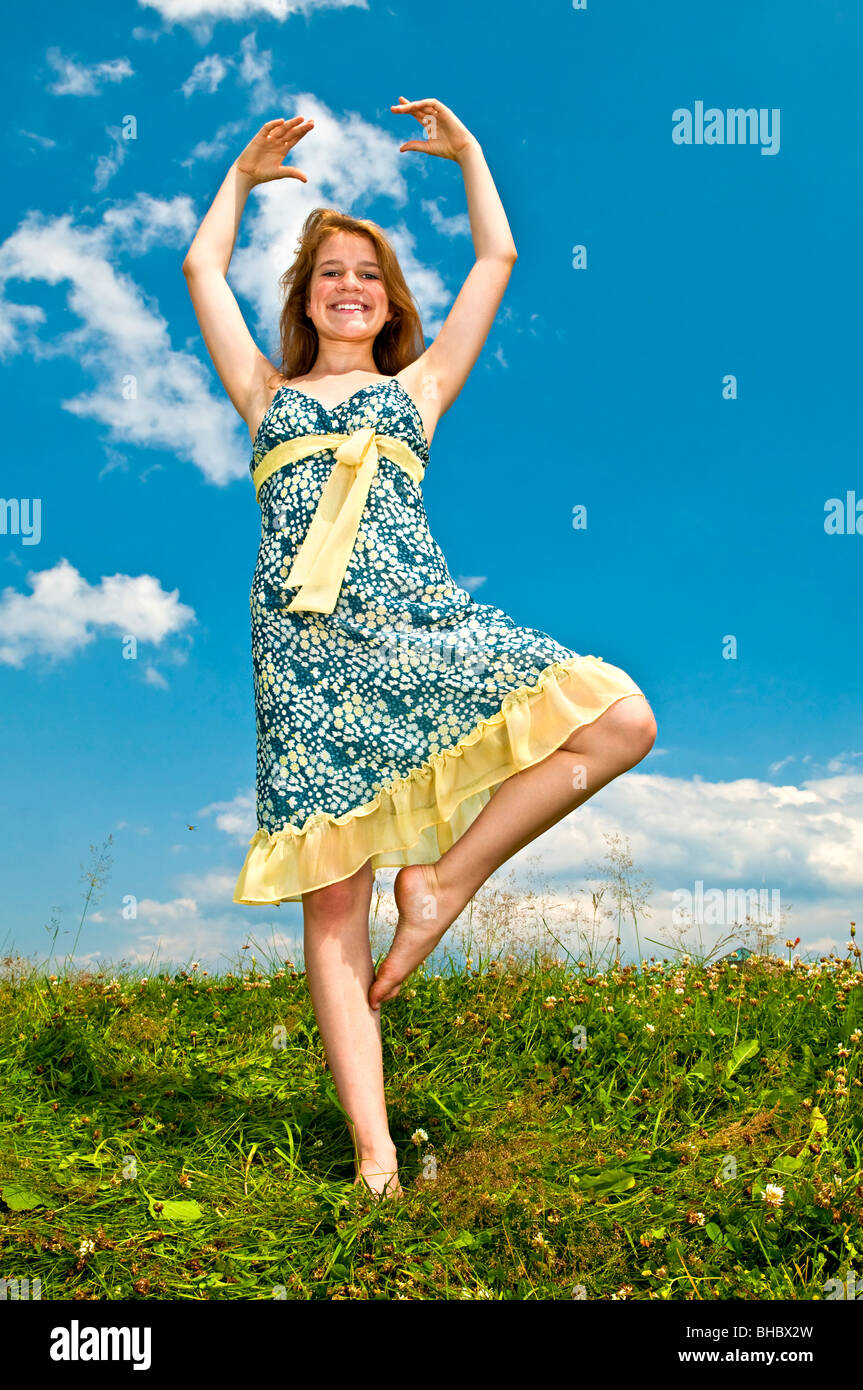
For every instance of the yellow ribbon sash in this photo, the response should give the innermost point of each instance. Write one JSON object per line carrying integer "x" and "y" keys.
{"x": 321, "y": 562}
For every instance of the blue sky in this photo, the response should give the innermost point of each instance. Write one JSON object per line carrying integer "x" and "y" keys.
{"x": 600, "y": 386}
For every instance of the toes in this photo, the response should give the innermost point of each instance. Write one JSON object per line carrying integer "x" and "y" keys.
{"x": 381, "y": 992}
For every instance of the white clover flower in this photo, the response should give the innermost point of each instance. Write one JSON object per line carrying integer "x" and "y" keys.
{"x": 773, "y": 1195}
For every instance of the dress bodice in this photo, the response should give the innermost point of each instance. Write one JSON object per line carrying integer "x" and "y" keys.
{"x": 385, "y": 404}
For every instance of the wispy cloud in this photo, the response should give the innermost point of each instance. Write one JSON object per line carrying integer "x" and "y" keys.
{"x": 207, "y": 75}
{"x": 43, "y": 141}
{"x": 455, "y": 225}
{"x": 85, "y": 79}
{"x": 108, "y": 164}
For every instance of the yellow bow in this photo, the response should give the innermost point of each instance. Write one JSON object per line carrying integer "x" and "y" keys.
{"x": 321, "y": 562}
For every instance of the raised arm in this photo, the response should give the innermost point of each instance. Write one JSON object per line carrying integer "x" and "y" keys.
{"x": 242, "y": 367}
{"x": 445, "y": 365}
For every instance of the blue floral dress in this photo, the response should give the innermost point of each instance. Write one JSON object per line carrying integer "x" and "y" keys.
{"x": 384, "y": 725}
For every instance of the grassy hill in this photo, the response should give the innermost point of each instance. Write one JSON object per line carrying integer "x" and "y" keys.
{"x": 678, "y": 1131}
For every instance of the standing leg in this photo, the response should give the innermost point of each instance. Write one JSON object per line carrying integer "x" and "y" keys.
{"x": 340, "y": 969}
{"x": 429, "y": 897}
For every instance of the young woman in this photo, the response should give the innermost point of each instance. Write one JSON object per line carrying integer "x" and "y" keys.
{"x": 398, "y": 721}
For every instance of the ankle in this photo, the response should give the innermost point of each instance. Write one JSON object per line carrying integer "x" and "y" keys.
{"x": 453, "y": 881}
{"x": 382, "y": 1149}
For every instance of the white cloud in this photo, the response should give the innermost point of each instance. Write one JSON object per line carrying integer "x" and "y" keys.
{"x": 216, "y": 146}
{"x": 471, "y": 582}
{"x": 177, "y": 910}
{"x": 44, "y": 141}
{"x": 85, "y": 79}
{"x": 145, "y": 391}
{"x": 178, "y": 932}
{"x": 805, "y": 839}
{"x": 145, "y": 222}
{"x": 214, "y": 889}
{"x": 206, "y": 75}
{"x": 193, "y": 11}
{"x": 236, "y": 817}
{"x": 255, "y": 72}
{"x": 65, "y": 613}
{"x": 108, "y": 164}
{"x": 456, "y": 225}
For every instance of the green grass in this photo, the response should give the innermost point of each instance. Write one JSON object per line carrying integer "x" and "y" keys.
{"x": 633, "y": 1166}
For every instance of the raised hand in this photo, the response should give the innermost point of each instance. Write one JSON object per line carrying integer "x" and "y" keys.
{"x": 445, "y": 134}
{"x": 261, "y": 160}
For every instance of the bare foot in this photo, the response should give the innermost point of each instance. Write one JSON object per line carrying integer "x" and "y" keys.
{"x": 380, "y": 1176}
{"x": 426, "y": 909}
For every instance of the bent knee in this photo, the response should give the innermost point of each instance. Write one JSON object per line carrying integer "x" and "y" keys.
{"x": 634, "y": 723}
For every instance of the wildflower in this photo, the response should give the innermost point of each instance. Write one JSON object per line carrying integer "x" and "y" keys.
{"x": 419, "y": 1136}
{"x": 773, "y": 1195}
{"x": 649, "y": 1028}
{"x": 458, "y": 1021}
{"x": 678, "y": 991}
{"x": 696, "y": 1218}
{"x": 86, "y": 1247}
{"x": 538, "y": 1240}
{"x": 711, "y": 1032}
{"x": 843, "y": 1051}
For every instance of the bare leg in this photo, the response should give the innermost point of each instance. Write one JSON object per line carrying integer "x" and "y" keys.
{"x": 429, "y": 897}
{"x": 339, "y": 969}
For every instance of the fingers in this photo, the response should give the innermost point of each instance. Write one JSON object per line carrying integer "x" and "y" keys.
{"x": 430, "y": 102}
{"x": 280, "y": 129}
{"x": 292, "y": 173}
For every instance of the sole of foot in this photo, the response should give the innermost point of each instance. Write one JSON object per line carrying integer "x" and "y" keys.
{"x": 425, "y": 911}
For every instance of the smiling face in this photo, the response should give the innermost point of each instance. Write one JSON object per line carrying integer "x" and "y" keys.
{"x": 346, "y": 298}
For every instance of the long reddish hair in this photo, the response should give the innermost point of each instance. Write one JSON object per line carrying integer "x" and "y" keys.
{"x": 399, "y": 342}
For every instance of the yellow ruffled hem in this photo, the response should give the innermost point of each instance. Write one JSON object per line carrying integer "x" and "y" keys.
{"x": 416, "y": 819}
